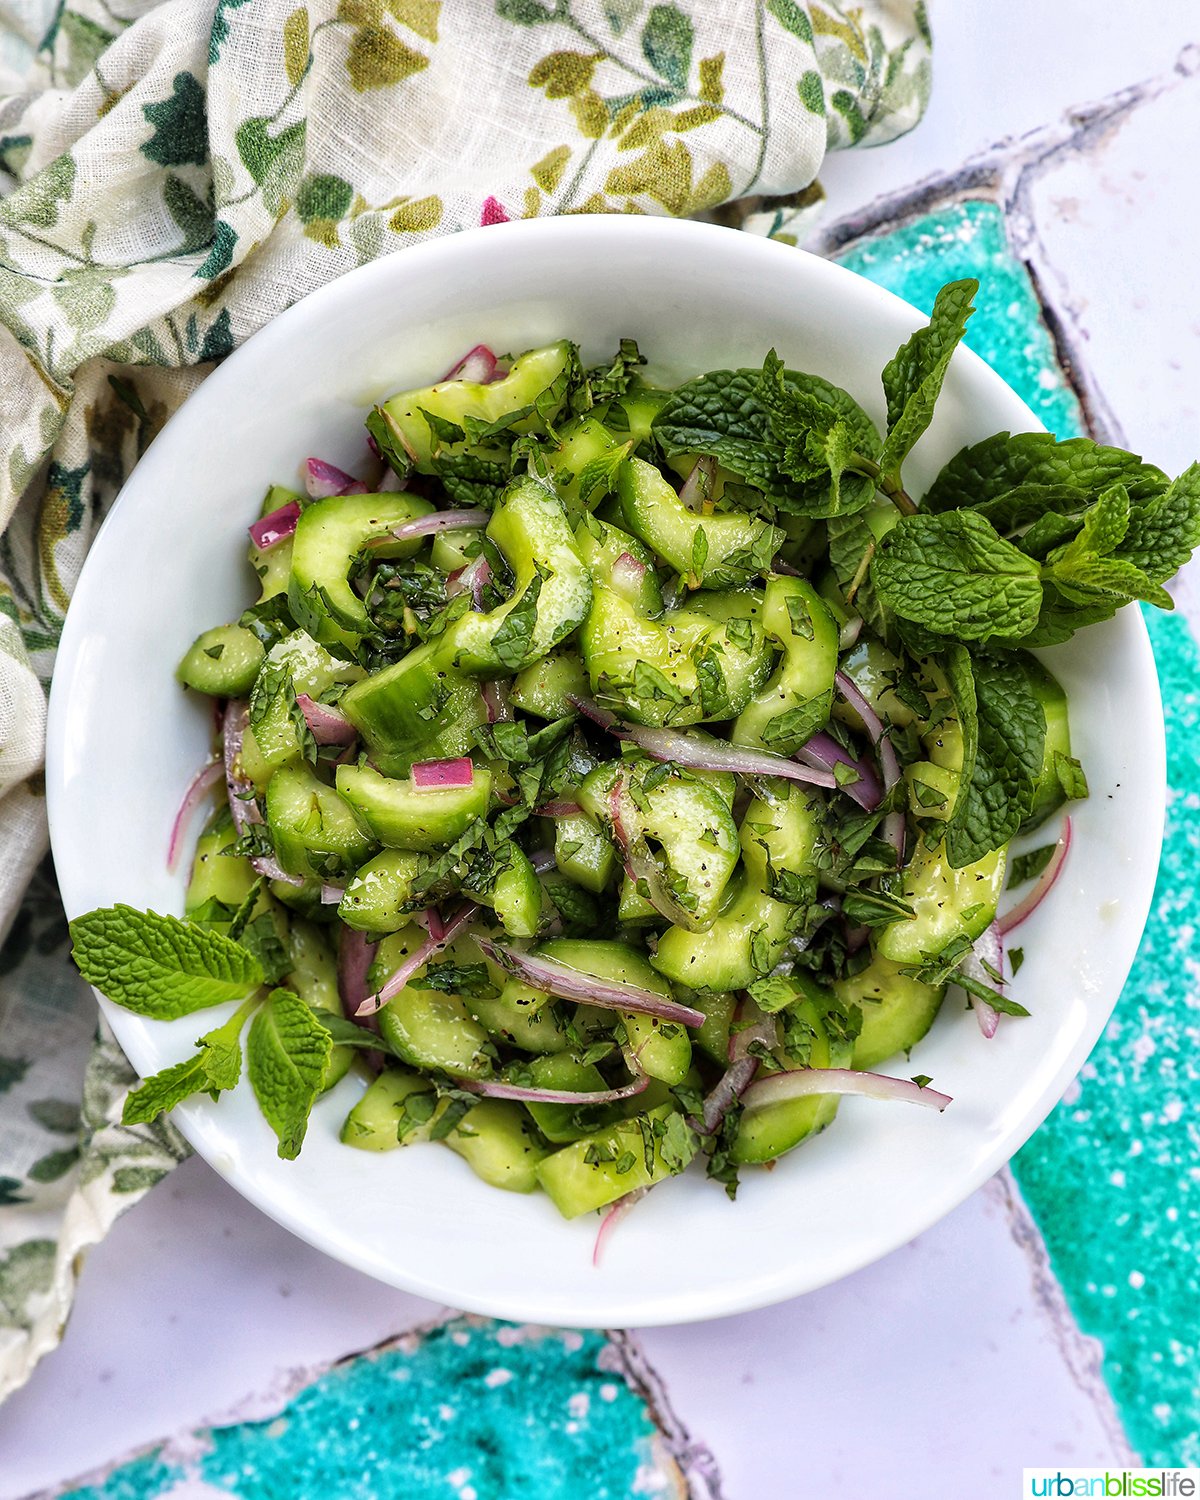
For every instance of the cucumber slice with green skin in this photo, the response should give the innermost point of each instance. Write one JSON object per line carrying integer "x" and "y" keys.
{"x": 432, "y": 1030}
{"x": 630, "y": 416}
{"x": 314, "y": 832}
{"x": 399, "y": 710}
{"x": 949, "y": 904}
{"x": 661, "y": 1049}
{"x": 581, "y": 442}
{"x": 379, "y": 894}
{"x": 522, "y": 1018}
{"x": 453, "y": 550}
{"x": 499, "y": 1142}
{"x": 401, "y": 815}
{"x": 546, "y": 687}
{"x": 745, "y": 942}
{"x": 798, "y": 699}
{"x": 566, "y": 1122}
{"x": 313, "y": 976}
{"x": 217, "y": 876}
{"x": 601, "y": 546}
{"x": 530, "y": 529}
{"x": 718, "y": 1007}
{"x": 585, "y": 1175}
{"x": 873, "y": 670}
{"x": 1049, "y": 796}
{"x": 533, "y": 376}
{"x": 328, "y": 538}
{"x": 516, "y": 895}
{"x": 273, "y": 565}
{"x": 779, "y": 837}
{"x": 722, "y": 550}
{"x": 374, "y": 1124}
{"x": 768, "y": 1130}
{"x": 632, "y": 908}
{"x": 931, "y": 789}
{"x": 222, "y": 662}
{"x": 897, "y": 1010}
{"x": 583, "y": 852}
{"x": 301, "y": 663}
{"x": 688, "y": 818}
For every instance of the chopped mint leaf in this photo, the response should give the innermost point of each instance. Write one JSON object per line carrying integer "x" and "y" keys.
{"x": 1023, "y": 867}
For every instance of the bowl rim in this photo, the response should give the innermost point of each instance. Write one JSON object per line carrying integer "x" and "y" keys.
{"x": 736, "y": 1295}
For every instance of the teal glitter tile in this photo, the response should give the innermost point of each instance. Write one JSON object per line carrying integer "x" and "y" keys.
{"x": 471, "y": 1410}
{"x": 968, "y": 239}
{"x": 1113, "y": 1176}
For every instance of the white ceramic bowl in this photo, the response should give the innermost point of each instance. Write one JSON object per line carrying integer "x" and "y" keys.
{"x": 124, "y": 742}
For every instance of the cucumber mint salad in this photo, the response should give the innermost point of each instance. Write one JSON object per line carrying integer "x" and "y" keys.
{"x": 616, "y": 775}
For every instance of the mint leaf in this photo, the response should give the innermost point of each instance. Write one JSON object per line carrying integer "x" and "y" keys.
{"x": 1025, "y": 867}
{"x": 720, "y": 413}
{"x": 599, "y": 475}
{"x": 1105, "y": 526}
{"x": 441, "y": 430}
{"x": 776, "y": 993}
{"x": 1039, "y": 466}
{"x": 1071, "y": 777}
{"x": 159, "y": 966}
{"x": 953, "y": 574}
{"x": 470, "y": 481}
{"x": 1090, "y": 581}
{"x": 512, "y": 639}
{"x": 1165, "y": 531}
{"x": 912, "y": 379}
{"x": 216, "y": 1067}
{"x": 1004, "y": 735}
{"x": 287, "y": 1052}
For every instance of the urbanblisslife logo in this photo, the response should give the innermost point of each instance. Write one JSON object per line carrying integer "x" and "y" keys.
{"x": 1112, "y": 1484}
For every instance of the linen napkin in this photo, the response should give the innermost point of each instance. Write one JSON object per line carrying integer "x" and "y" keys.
{"x": 175, "y": 175}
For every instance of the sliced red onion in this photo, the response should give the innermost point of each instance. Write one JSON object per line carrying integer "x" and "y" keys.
{"x": 275, "y": 527}
{"x": 440, "y": 520}
{"x": 475, "y": 576}
{"x": 696, "y": 493}
{"x": 572, "y": 984}
{"x": 390, "y": 482}
{"x": 356, "y": 954}
{"x": 440, "y": 775}
{"x": 1045, "y": 883}
{"x": 542, "y": 860}
{"x": 779, "y": 1087}
{"x": 988, "y": 950}
{"x": 559, "y": 810}
{"x": 824, "y": 752}
{"x": 612, "y": 1218}
{"x": 331, "y": 895}
{"x": 433, "y": 924}
{"x": 198, "y": 788}
{"x": 417, "y": 959}
{"x": 496, "y": 1088}
{"x": 477, "y": 365}
{"x": 850, "y": 632}
{"x": 328, "y": 726}
{"x": 786, "y": 569}
{"x": 889, "y": 764}
{"x": 853, "y": 695}
{"x": 743, "y": 1064}
{"x": 627, "y": 573}
{"x": 700, "y": 753}
{"x": 496, "y": 701}
{"x": 240, "y": 791}
{"x": 857, "y": 938}
{"x": 267, "y": 865}
{"x": 322, "y": 480}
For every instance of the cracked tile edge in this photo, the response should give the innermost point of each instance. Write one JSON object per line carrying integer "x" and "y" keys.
{"x": 625, "y": 1356}
{"x": 1082, "y": 1355}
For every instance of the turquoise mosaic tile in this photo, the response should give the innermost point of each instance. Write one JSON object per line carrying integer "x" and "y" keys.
{"x": 470, "y": 1410}
{"x": 968, "y": 239}
{"x": 1113, "y": 1176}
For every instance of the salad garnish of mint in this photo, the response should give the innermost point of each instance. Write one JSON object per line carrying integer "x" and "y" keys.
{"x": 619, "y": 775}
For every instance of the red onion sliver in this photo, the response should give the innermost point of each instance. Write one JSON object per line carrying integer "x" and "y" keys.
{"x": 240, "y": 792}
{"x": 433, "y": 923}
{"x": 850, "y": 632}
{"x": 416, "y": 960}
{"x": 356, "y": 954}
{"x": 989, "y": 950}
{"x": 477, "y": 365}
{"x": 1045, "y": 883}
{"x": 268, "y": 866}
{"x": 496, "y": 701}
{"x": 440, "y": 520}
{"x": 200, "y": 785}
{"x": 743, "y": 1065}
{"x": 558, "y": 810}
{"x": 331, "y": 895}
{"x": 328, "y": 726}
{"x": 490, "y": 1088}
{"x": 612, "y": 1218}
{"x": 443, "y": 775}
{"x": 627, "y": 573}
{"x": 851, "y": 692}
{"x": 322, "y": 480}
{"x": 700, "y": 753}
{"x": 474, "y": 576}
{"x": 823, "y": 752}
{"x": 573, "y": 984}
{"x": 803, "y": 1081}
{"x": 275, "y": 527}
{"x": 542, "y": 860}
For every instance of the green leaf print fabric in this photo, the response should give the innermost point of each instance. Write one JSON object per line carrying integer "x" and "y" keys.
{"x": 174, "y": 175}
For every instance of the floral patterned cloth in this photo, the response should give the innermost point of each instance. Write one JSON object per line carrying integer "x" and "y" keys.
{"x": 175, "y": 176}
